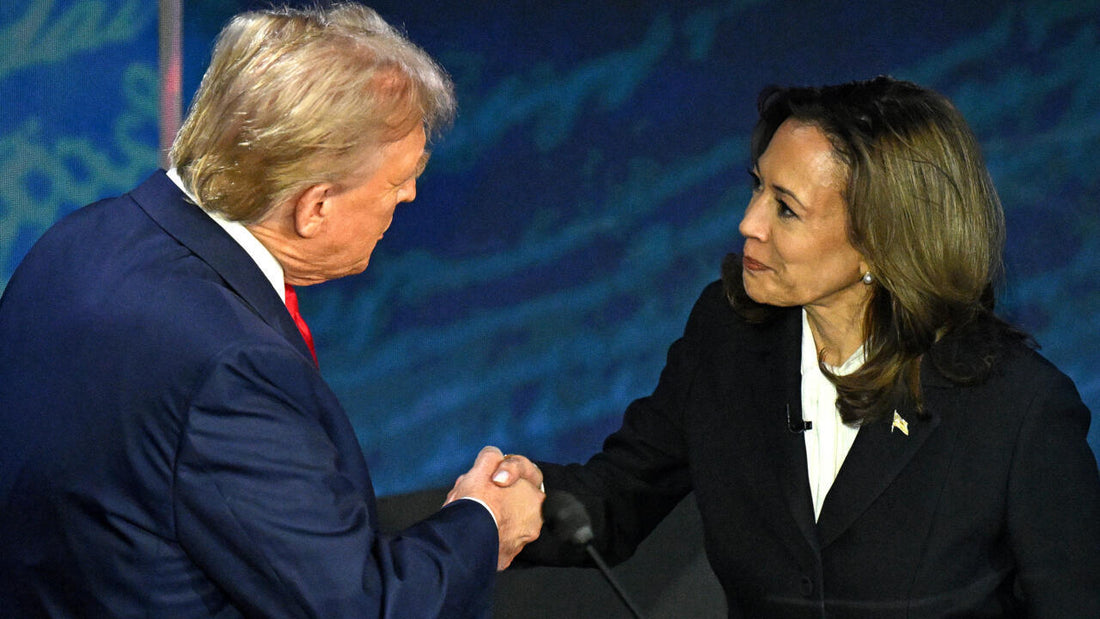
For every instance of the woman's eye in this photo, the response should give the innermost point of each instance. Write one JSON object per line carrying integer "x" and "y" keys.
{"x": 784, "y": 210}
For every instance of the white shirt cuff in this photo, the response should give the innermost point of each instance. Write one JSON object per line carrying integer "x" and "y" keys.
{"x": 486, "y": 506}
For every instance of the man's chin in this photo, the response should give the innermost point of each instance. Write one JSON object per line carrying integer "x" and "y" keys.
{"x": 357, "y": 269}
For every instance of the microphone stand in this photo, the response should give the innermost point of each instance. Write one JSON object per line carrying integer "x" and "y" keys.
{"x": 606, "y": 571}
{"x": 567, "y": 519}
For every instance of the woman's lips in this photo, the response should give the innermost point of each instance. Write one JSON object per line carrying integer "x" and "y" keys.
{"x": 752, "y": 265}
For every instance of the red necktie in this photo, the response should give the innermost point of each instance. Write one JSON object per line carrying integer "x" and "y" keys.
{"x": 303, "y": 328}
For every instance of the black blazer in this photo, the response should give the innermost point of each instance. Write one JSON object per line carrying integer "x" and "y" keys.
{"x": 989, "y": 507}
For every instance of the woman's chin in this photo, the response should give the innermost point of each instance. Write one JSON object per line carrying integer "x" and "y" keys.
{"x": 753, "y": 288}
{"x": 763, "y": 296}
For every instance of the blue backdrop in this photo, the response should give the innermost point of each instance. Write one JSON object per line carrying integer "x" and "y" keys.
{"x": 591, "y": 185}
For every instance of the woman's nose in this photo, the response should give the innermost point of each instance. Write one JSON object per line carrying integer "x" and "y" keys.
{"x": 753, "y": 224}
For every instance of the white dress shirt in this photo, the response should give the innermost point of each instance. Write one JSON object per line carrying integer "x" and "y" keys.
{"x": 829, "y": 438}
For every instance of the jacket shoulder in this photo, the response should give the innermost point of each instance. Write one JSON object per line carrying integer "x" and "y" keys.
{"x": 713, "y": 318}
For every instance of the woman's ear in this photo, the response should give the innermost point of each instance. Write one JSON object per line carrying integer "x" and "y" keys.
{"x": 311, "y": 210}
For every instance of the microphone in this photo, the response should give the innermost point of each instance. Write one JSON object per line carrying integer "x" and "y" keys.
{"x": 797, "y": 426}
{"x": 567, "y": 519}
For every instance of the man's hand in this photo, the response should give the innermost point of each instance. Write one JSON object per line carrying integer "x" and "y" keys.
{"x": 516, "y": 505}
{"x": 515, "y": 467}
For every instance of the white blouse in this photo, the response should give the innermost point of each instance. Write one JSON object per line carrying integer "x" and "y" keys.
{"x": 828, "y": 439}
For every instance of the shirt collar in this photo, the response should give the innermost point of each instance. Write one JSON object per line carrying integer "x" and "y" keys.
{"x": 263, "y": 258}
{"x": 810, "y": 358}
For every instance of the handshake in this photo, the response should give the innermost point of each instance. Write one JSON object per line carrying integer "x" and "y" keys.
{"x": 511, "y": 487}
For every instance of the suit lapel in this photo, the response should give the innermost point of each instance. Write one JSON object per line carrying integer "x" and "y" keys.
{"x": 878, "y": 455}
{"x": 781, "y": 380}
{"x": 168, "y": 206}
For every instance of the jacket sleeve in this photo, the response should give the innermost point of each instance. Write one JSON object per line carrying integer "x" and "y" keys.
{"x": 273, "y": 502}
{"x": 1053, "y": 507}
{"x": 642, "y": 472}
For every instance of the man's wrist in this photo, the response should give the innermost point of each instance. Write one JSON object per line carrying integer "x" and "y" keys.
{"x": 485, "y": 505}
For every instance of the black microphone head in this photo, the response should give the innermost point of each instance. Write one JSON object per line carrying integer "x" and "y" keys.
{"x": 566, "y": 518}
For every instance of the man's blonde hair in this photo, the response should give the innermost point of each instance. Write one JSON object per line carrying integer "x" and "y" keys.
{"x": 293, "y": 98}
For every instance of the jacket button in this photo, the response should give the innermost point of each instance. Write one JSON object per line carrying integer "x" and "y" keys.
{"x": 806, "y": 586}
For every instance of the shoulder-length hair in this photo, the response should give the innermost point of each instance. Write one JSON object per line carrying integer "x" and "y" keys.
{"x": 923, "y": 212}
{"x": 294, "y": 97}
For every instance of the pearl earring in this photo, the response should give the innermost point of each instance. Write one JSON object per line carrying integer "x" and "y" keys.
{"x": 867, "y": 278}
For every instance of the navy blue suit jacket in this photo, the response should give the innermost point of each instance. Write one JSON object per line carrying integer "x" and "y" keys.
{"x": 168, "y": 447}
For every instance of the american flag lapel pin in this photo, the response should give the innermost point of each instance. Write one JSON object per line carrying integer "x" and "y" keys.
{"x": 899, "y": 424}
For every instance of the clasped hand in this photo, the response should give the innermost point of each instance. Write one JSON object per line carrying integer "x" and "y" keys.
{"x": 511, "y": 487}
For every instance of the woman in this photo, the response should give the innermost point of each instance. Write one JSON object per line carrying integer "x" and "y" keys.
{"x": 864, "y": 436}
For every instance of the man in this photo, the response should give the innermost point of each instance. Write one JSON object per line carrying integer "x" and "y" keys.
{"x": 168, "y": 447}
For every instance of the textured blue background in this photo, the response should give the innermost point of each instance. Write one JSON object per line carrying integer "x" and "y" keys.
{"x": 587, "y": 192}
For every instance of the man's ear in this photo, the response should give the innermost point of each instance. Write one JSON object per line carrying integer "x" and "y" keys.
{"x": 312, "y": 209}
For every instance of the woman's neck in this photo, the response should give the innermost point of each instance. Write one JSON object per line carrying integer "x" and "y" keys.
{"x": 838, "y": 333}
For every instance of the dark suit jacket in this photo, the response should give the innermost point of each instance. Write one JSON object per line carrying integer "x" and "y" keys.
{"x": 169, "y": 449}
{"x": 989, "y": 507}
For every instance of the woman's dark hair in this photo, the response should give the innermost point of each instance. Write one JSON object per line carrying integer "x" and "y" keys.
{"x": 923, "y": 212}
